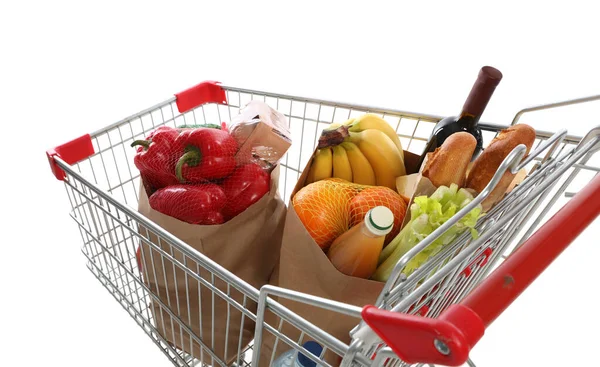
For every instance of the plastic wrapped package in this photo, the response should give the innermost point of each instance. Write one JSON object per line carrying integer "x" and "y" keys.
{"x": 262, "y": 134}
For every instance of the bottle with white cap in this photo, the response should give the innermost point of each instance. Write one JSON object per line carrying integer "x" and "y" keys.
{"x": 357, "y": 250}
{"x": 293, "y": 358}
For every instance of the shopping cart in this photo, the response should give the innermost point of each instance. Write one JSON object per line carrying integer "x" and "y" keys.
{"x": 434, "y": 316}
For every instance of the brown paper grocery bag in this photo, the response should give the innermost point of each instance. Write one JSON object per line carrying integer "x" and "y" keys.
{"x": 304, "y": 267}
{"x": 247, "y": 245}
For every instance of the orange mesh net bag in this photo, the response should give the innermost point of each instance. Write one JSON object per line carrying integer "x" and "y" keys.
{"x": 370, "y": 197}
{"x": 329, "y": 207}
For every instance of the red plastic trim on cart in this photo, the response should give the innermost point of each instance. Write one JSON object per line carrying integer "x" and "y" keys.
{"x": 523, "y": 266}
{"x": 422, "y": 311}
{"x": 70, "y": 152}
{"x": 480, "y": 261}
{"x": 203, "y": 93}
{"x": 414, "y": 338}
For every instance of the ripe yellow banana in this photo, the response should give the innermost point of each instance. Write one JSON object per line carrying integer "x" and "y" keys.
{"x": 341, "y": 164}
{"x": 335, "y": 125}
{"x": 382, "y": 154}
{"x": 372, "y": 121}
{"x": 362, "y": 172}
{"x": 321, "y": 167}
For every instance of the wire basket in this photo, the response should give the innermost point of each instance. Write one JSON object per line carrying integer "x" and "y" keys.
{"x": 102, "y": 186}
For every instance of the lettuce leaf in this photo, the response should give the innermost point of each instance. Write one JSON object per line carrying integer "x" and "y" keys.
{"x": 427, "y": 214}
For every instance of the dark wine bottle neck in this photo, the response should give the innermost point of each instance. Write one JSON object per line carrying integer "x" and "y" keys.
{"x": 480, "y": 94}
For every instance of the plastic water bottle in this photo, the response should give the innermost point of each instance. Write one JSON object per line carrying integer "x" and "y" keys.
{"x": 287, "y": 359}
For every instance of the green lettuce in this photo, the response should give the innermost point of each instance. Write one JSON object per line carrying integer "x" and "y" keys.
{"x": 427, "y": 214}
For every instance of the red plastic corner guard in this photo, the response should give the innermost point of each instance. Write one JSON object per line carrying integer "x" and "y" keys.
{"x": 480, "y": 261}
{"x": 71, "y": 152}
{"x": 446, "y": 340}
{"x": 205, "y": 92}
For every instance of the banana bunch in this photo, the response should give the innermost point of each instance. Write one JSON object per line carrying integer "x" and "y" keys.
{"x": 363, "y": 150}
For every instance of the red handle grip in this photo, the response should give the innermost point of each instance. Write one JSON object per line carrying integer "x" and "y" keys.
{"x": 71, "y": 152}
{"x": 448, "y": 339}
{"x": 205, "y": 92}
{"x": 515, "y": 274}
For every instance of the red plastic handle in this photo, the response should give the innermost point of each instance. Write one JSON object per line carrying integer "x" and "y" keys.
{"x": 71, "y": 152}
{"x": 448, "y": 339}
{"x": 417, "y": 339}
{"x": 515, "y": 274}
{"x": 205, "y": 92}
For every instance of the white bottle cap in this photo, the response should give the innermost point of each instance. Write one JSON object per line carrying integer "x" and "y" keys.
{"x": 379, "y": 220}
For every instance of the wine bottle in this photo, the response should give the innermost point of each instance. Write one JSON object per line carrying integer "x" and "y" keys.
{"x": 468, "y": 120}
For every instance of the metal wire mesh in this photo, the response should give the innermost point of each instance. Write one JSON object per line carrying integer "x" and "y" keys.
{"x": 103, "y": 192}
{"x": 486, "y": 257}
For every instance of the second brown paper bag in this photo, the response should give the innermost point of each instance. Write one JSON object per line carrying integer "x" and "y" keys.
{"x": 247, "y": 245}
{"x": 304, "y": 267}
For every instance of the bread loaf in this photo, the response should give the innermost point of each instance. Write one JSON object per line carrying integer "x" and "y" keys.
{"x": 485, "y": 166}
{"x": 448, "y": 163}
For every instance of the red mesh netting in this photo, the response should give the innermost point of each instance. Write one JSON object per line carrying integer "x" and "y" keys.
{"x": 210, "y": 174}
{"x": 192, "y": 174}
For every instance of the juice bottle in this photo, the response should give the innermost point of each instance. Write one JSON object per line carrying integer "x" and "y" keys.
{"x": 357, "y": 250}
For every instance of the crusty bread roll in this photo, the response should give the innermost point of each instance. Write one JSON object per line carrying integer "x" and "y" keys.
{"x": 448, "y": 163}
{"x": 491, "y": 158}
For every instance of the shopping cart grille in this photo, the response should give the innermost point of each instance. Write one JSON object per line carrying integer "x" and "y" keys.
{"x": 460, "y": 281}
{"x": 110, "y": 240}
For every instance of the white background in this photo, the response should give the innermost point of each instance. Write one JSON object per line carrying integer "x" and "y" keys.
{"x": 67, "y": 68}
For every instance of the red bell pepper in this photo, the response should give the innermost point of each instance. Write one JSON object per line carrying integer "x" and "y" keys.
{"x": 206, "y": 154}
{"x": 155, "y": 158}
{"x": 244, "y": 187}
{"x": 194, "y": 204}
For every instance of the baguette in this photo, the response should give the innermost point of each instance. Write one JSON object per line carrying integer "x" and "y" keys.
{"x": 448, "y": 163}
{"x": 491, "y": 158}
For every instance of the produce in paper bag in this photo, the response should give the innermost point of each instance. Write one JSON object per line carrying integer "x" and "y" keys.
{"x": 194, "y": 204}
{"x": 196, "y": 187}
{"x": 329, "y": 207}
{"x": 427, "y": 214}
{"x": 247, "y": 246}
{"x": 363, "y": 150}
{"x": 204, "y": 154}
{"x": 193, "y": 173}
{"x": 155, "y": 158}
